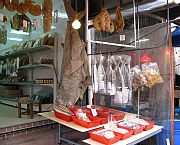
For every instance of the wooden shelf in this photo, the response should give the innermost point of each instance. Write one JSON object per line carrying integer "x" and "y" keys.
{"x": 38, "y": 48}
{"x": 25, "y": 84}
{"x": 35, "y": 66}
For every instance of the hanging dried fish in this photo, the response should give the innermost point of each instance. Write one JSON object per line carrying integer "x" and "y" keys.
{"x": 119, "y": 20}
{"x": 74, "y": 67}
{"x": 103, "y": 21}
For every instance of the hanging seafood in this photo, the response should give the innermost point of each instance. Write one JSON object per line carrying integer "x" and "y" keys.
{"x": 109, "y": 76}
{"x": 1, "y": 4}
{"x": 94, "y": 74}
{"x": 119, "y": 80}
{"x": 11, "y": 5}
{"x": 119, "y": 20}
{"x": 47, "y": 15}
{"x": 74, "y": 67}
{"x": 101, "y": 76}
{"x": 125, "y": 68}
{"x": 103, "y": 22}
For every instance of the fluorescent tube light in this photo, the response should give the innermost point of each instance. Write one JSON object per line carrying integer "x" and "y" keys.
{"x": 15, "y": 39}
{"x": 19, "y": 32}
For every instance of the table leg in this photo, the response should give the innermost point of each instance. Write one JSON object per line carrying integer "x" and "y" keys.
{"x": 28, "y": 109}
{"x": 19, "y": 110}
{"x": 40, "y": 110}
{"x": 59, "y": 138}
{"x": 31, "y": 110}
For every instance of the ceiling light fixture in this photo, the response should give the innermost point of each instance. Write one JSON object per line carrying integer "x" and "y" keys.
{"x": 76, "y": 24}
{"x": 14, "y": 39}
{"x": 19, "y": 32}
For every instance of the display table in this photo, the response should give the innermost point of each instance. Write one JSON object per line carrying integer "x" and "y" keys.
{"x": 131, "y": 141}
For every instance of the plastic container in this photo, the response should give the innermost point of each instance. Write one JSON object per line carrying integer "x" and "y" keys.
{"x": 126, "y": 135}
{"x": 104, "y": 140}
{"x": 135, "y": 131}
{"x": 150, "y": 126}
{"x": 63, "y": 116}
{"x": 166, "y": 133}
{"x": 118, "y": 115}
{"x": 94, "y": 121}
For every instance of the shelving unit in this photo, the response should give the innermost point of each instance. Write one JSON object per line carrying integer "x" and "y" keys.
{"x": 35, "y": 70}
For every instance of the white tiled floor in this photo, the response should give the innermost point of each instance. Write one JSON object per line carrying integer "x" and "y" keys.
{"x": 9, "y": 117}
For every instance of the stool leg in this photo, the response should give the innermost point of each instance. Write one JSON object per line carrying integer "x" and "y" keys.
{"x": 19, "y": 110}
{"x": 31, "y": 110}
{"x": 40, "y": 107}
{"x": 28, "y": 109}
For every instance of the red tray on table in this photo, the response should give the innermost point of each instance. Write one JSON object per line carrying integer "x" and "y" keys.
{"x": 94, "y": 121}
{"x": 126, "y": 135}
{"x": 103, "y": 139}
{"x": 63, "y": 116}
{"x": 148, "y": 127}
{"x": 118, "y": 115}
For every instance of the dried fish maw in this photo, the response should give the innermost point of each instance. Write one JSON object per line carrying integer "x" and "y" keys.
{"x": 99, "y": 20}
{"x": 119, "y": 20}
{"x": 103, "y": 21}
{"x": 109, "y": 26}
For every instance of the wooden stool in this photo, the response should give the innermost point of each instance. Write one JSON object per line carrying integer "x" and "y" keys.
{"x": 29, "y": 107}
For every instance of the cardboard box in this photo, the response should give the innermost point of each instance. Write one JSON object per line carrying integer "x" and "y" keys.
{"x": 12, "y": 94}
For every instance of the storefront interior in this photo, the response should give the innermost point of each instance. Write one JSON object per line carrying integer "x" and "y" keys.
{"x": 32, "y": 65}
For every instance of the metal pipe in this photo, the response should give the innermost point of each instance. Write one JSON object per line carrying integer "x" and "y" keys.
{"x": 87, "y": 37}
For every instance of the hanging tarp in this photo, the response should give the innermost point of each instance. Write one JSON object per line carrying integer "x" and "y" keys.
{"x": 176, "y": 37}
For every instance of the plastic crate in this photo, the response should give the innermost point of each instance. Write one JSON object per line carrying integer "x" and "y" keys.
{"x": 63, "y": 116}
{"x": 94, "y": 121}
{"x": 102, "y": 139}
{"x": 126, "y": 135}
{"x": 118, "y": 115}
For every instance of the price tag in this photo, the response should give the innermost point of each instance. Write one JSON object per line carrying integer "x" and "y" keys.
{"x": 17, "y": 62}
{"x": 25, "y": 23}
{"x": 94, "y": 112}
{"x": 122, "y": 37}
{"x": 1, "y": 17}
{"x": 36, "y": 23}
{"x": 88, "y": 106}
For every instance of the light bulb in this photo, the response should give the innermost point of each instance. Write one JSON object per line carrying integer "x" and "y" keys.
{"x": 76, "y": 24}
{"x": 177, "y": 1}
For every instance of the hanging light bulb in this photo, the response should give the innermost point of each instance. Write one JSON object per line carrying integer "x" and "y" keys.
{"x": 76, "y": 24}
{"x": 176, "y": 1}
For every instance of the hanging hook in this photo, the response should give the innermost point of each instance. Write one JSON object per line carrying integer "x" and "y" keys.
{"x": 103, "y": 3}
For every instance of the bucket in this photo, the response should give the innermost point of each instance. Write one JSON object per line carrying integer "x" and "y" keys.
{"x": 166, "y": 133}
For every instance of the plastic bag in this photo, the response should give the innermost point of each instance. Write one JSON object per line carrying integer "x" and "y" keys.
{"x": 139, "y": 80}
{"x": 151, "y": 72}
{"x": 109, "y": 76}
{"x": 82, "y": 116}
{"x": 101, "y": 76}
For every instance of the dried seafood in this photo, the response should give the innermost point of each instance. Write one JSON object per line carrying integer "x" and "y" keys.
{"x": 119, "y": 20}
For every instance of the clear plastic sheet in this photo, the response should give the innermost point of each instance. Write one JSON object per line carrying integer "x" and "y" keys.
{"x": 154, "y": 102}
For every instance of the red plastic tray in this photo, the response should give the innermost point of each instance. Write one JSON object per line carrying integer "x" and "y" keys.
{"x": 104, "y": 119}
{"x": 118, "y": 115}
{"x": 138, "y": 130}
{"x": 104, "y": 140}
{"x": 94, "y": 121}
{"x": 85, "y": 109}
{"x": 150, "y": 126}
{"x": 135, "y": 131}
{"x": 126, "y": 135}
{"x": 63, "y": 116}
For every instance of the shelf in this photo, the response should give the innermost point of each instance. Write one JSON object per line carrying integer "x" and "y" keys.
{"x": 38, "y": 48}
{"x": 25, "y": 84}
{"x": 36, "y": 65}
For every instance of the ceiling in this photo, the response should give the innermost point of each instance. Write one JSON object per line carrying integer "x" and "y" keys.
{"x": 154, "y": 8}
